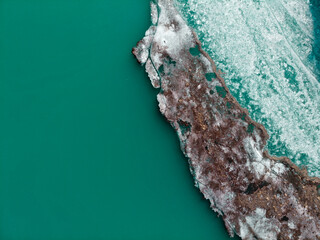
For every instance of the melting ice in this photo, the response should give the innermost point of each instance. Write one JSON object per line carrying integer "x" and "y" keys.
{"x": 265, "y": 48}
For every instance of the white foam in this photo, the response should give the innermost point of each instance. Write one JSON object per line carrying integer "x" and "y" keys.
{"x": 264, "y": 48}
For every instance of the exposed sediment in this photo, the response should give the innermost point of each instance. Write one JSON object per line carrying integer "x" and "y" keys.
{"x": 258, "y": 196}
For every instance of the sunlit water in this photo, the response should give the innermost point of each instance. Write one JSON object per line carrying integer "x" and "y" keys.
{"x": 267, "y": 50}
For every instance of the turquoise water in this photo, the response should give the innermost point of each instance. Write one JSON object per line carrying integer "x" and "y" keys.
{"x": 269, "y": 52}
{"x": 84, "y": 151}
{"x": 315, "y": 11}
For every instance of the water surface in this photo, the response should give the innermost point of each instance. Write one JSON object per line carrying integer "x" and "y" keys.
{"x": 84, "y": 151}
{"x": 269, "y": 52}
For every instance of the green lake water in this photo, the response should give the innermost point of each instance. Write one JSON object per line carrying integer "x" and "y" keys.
{"x": 84, "y": 151}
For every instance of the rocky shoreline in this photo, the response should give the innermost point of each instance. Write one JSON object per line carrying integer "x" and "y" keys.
{"x": 258, "y": 196}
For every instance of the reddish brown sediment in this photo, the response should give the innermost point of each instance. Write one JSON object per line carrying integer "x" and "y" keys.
{"x": 259, "y": 196}
{"x": 265, "y": 134}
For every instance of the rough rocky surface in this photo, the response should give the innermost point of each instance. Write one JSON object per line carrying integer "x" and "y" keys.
{"x": 258, "y": 196}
